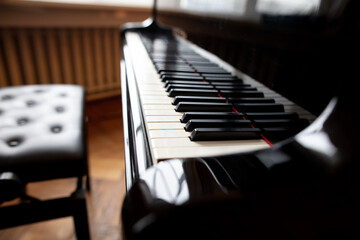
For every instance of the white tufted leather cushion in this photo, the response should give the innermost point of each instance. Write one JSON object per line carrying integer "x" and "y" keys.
{"x": 42, "y": 131}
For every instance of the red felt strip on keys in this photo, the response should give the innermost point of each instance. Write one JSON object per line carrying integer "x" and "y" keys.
{"x": 262, "y": 136}
{"x": 220, "y": 96}
{"x": 266, "y": 140}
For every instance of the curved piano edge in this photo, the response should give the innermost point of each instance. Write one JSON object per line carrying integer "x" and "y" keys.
{"x": 306, "y": 183}
{"x": 126, "y": 127}
{"x": 135, "y": 138}
{"x": 133, "y": 26}
{"x": 149, "y": 24}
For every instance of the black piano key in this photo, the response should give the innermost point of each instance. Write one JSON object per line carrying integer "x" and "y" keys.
{"x": 229, "y": 83}
{"x": 192, "y": 92}
{"x": 164, "y": 58}
{"x": 180, "y": 74}
{"x": 251, "y": 100}
{"x": 221, "y": 78}
{"x": 168, "y": 82}
{"x": 210, "y": 115}
{"x": 216, "y": 123}
{"x": 200, "y": 62}
{"x": 278, "y": 133}
{"x": 183, "y": 74}
{"x": 172, "y": 66}
{"x": 231, "y": 93}
{"x": 236, "y": 88}
{"x": 203, "y": 107}
{"x": 192, "y": 77}
{"x": 185, "y": 86}
{"x": 210, "y": 67}
{"x": 274, "y": 115}
{"x": 298, "y": 123}
{"x": 211, "y": 70}
{"x": 259, "y": 107}
{"x": 193, "y": 57}
{"x": 170, "y": 62}
{"x": 226, "y": 75}
{"x": 176, "y": 70}
{"x": 213, "y": 134}
{"x": 224, "y": 81}
{"x": 179, "y": 99}
{"x": 168, "y": 51}
{"x": 203, "y": 64}
{"x": 160, "y": 51}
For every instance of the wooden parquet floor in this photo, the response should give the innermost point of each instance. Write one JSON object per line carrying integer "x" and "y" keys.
{"x": 106, "y": 159}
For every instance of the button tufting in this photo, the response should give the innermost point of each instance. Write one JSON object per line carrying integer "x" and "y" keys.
{"x": 14, "y": 142}
{"x": 62, "y": 95}
{"x": 30, "y": 103}
{"x": 7, "y": 97}
{"x": 56, "y": 129}
{"x": 22, "y": 121}
{"x": 39, "y": 91}
{"x": 60, "y": 109}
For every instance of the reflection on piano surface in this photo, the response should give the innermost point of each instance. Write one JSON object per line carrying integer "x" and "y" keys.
{"x": 212, "y": 153}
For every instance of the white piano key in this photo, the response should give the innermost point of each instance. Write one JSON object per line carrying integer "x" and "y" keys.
{"x": 156, "y": 101}
{"x": 166, "y": 126}
{"x": 157, "y": 119}
{"x": 151, "y": 87}
{"x": 156, "y": 97}
{"x": 158, "y": 107}
{"x": 162, "y": 113}
{"x": 185, "y": 142}
{"x": 211, "y": 151}
{"x": 150, "y": 92}
{"x": 159, "y": 94}
{"x": 168, "y": 134}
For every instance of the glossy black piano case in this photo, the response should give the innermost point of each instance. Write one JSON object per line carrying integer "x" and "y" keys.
{"x": 306, "y": 187}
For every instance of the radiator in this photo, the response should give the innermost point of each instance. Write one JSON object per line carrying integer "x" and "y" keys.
{"x": 86, "y": 56}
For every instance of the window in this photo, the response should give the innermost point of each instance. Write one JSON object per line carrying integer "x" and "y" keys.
{"x": 134, "y": 3}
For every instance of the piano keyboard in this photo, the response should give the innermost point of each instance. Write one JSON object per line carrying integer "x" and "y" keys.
{"x": 195, "y": 105}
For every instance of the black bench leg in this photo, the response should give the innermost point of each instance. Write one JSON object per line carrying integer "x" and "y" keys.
{"x": 80, "y": 215}
{"x": 88, "y": 181}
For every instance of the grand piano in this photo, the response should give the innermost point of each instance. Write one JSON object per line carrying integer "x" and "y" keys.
{"x": 241, "y": 120}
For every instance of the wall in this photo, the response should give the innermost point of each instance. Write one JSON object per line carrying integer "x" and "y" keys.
{"x": 64, "y": 43}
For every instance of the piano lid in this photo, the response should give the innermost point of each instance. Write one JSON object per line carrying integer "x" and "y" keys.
{"x": 300, "y": 49}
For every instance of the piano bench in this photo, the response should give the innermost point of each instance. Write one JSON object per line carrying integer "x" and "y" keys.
{"x": 42, "y": 137}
